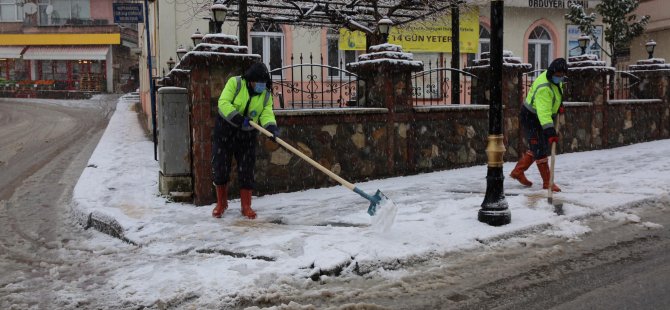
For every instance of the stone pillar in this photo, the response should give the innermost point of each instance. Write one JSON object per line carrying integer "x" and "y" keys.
{"x": 587, "y": 82}
{"x": 387, "y": 73}
{"x": 204, "y": 72}
{"x": 653, "y": 83}
{"x": 512, "y": 96}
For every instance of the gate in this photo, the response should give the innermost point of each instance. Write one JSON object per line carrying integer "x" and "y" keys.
{"x": 315, "y": 85}
{"x": 433, "y": 86}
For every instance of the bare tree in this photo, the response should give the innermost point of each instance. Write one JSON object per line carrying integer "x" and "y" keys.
{"x": 360, "y": 15}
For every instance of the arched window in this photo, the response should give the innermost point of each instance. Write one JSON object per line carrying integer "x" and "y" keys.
{"x": 484, "y": 44}
{"x": 337, "y": 58}
{"x": 267, "y": 40}
{"x": 540, "y": 47}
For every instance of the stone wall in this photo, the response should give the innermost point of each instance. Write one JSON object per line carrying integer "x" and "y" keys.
{"x": 389, "y": 137}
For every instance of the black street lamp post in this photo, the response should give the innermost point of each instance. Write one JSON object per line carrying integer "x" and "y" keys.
{"x": 384, "y": 26}
{"x": 651, "y": 45}
{"x": 170, "y": 63}
{"x": 181, "y": 51}
{"x": 494, "y": 210}
{"x": 196, "y": 37}
{"x": 583, "y": 41}
{"x": 219, "y": 13}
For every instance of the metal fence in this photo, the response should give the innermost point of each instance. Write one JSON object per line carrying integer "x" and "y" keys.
{"x": 622, "y": 81}
{"x": 433, "y": 86}
{"x": 305, "y": 83}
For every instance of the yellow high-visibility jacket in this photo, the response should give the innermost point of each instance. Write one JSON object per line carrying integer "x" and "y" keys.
{"x": 544, "y": 99}
{"x": 234, "y": 98}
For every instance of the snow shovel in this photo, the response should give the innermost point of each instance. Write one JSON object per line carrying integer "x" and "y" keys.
{"x": 558, "y": 206}
{"x": 382, "y": 209}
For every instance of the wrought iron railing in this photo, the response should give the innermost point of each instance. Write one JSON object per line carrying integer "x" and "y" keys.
{"x": 433, "y": 86}
{"x": 315, "y": 85}
{"x": 623, "y": 81}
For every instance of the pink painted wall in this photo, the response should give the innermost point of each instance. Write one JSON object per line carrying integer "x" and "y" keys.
{"x": 102, "y": 9}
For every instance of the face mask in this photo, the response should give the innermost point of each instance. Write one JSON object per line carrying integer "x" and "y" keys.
{"x": 557, "y": 80}
{"x": 259, "y": 88}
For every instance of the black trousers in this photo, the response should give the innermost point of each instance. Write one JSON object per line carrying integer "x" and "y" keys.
{"x": 228, "y": 142}
{"x": 537, "y": 142}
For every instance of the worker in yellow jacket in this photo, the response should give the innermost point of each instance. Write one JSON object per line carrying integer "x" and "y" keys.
{"x": 244, "y": 98}
{"x": 538, "y": 114}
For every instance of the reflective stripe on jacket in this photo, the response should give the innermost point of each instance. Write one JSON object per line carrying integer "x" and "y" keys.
{"x": 543, "y": 99}
{"x": 260, "y": 106}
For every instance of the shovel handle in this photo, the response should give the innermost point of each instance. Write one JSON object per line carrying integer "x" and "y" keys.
{"x": 303, "y": 156}
{"x": 550, "y": 192}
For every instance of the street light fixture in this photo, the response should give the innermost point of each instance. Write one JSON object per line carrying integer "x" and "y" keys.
{"x": 170, "y": 63}
{"x": 495, "y": 210}
{"x": 219, "y": 13}
{"x": 196, "y": 37}
{"x": 651, "y": 45}
{"x": 583, "y": 41}
{"x": 384, "y": 26}
{"x": 181, "y": 51}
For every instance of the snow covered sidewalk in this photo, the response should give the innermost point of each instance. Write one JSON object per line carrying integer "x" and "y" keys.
{"x": 326, "y": 232}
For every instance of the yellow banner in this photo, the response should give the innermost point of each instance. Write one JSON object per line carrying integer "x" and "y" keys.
{"x": 435, "y": 36}
{"x": 60, "y": 39}
{"x": 351, "y": 40}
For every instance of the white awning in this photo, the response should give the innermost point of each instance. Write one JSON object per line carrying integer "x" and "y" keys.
{"x": 66, "y": 53}
{"x": 11, "y": 51}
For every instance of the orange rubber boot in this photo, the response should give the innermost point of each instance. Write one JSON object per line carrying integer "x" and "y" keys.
{"x": 245, "y": 197}
{"x": 518, "y": 173}
{"x": 543, "y": 166}
{"x": 221, "y": 201}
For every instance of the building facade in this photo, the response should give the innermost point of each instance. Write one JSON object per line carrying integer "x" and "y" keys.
{"x": 657, "y": 30}
{"x": 64, "y": 46}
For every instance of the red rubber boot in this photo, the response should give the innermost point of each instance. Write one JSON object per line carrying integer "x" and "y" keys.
{"x": 518, "y": 173}
{"x": 221, "y": 201}
{"x": 245, "y": 197}
{"x": 543, "y": 166}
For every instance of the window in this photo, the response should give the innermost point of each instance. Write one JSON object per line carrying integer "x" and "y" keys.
{"x": 10, "y": 11}
{"x": 61, "y": 12}
{"x": 484, "y": 44}
{"x": 539, "y": 49}
{"x": 267, "y": 40}
{"x": 338, "y": 58}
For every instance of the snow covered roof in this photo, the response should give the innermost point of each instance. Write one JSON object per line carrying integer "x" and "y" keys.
{"x": 651, "y": 64}
{"x": 220, "y": 38}
{"x": 222, "y": 48}
{"x": 509, "y": 61}
{"x": 386, "y": 54}
{"x": 585, "y": 57}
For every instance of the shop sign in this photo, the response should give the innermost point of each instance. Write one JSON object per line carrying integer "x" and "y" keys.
{"x": 351, "y": 40}
{"x": 594, "y": 47}
{"x": 550, "y": 4}
{"x": 128, "y": 13}
{"x": 436, "y": 36}
{"x": 433, "y": 36}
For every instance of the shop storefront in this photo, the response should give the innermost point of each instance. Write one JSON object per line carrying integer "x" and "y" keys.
{"x": 48, "y": 64}
{"x": 82, "y": 68}
{"x": 12, "y": 67}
